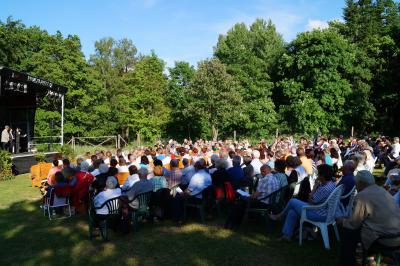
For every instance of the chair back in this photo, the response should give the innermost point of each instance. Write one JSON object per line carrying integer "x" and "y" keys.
{"x": 54, "y": 200}
{"x": 332, "y": 203}
{"x": 229, "y": 192}
{"x": 113, "y": 205}
{"x": 144, "y": 200}
{"x": 351, "y": 196}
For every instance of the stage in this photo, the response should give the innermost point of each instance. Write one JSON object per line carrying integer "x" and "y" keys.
{"x": 24, "y": 161}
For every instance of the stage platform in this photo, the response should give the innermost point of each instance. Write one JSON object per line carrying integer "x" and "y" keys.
{"x": 24, "y": 161}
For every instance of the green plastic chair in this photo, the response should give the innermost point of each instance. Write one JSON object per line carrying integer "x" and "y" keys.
{"x": 143, "y": 210}
{"x": 114, "y": 210}
{"x": 276, "y": 204}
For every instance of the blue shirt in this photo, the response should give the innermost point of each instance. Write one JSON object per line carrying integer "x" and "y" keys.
{"x": 328, "y": 160}
{"x": 200, "y": 180}
{"x": 187, "y": 174}
{"x": 348, "y": 182}
{"x": 236, "y": 175}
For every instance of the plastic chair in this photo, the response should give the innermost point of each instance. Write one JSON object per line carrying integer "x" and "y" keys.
{"x": 53, "y": 202}
{"x": 276, "y": 204}
{"x": 347, "y": 211}
{"x": 143, "y": 209}
{"x": 114, "y": 210}
{"x": 331, "y": 204}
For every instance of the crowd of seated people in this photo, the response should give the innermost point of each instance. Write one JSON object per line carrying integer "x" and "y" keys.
{"x": 176, "y": 173}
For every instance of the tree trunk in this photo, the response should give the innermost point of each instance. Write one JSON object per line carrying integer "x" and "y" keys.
{"x": 214, "y": 133}
{"x": 127, "y": 134}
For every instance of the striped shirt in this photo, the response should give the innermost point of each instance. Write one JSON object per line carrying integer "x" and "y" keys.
{"x": 267, "y": 185}
{"x": 159, "y": 182}
{"x": 321, "y": 194}
{"x": 173, "y": 178}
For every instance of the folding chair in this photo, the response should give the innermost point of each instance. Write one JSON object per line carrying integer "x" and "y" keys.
{"x": 53, "y": 201}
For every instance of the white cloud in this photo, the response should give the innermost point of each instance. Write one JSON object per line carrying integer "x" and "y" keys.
{"x": 316, "y": 24}
{"x": 287, "y": 23}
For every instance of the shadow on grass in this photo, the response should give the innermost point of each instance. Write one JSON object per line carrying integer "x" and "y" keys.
{"x": 29, "y": 238}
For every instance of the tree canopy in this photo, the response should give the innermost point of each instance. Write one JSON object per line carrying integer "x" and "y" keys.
{"x": 323, "y": 80}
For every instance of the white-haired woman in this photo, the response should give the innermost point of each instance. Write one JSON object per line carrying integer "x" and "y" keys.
{"x": 111, "y": 191}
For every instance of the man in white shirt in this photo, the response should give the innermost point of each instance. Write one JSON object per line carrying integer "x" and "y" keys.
{"x": 396, "y": 147}
{"x": 256, "y": 163}
{"x": 110, "y": 192}
{"x": 5, "y": 138}
{"x": 200, "y": 180}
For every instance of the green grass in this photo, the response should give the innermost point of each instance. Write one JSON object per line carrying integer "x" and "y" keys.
{"x": 29, "y": 238}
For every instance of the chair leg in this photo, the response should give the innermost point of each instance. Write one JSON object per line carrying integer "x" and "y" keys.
{"x": 378, "y": 258}
{"x": 202, "y": 215}
{"x": 103, "y": 230}
{"x": 49, "y": 212}
{"x": 184, "y": 212}
{"x": 69, "y": 210}
{"x": 336, "y": 232}
{"x": 301, "y": 233}
{"x": 268, "y": 223}
{"x": 325, "y": 236}
{"x": 134, "y": 221}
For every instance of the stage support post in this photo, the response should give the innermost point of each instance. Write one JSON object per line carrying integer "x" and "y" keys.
{"x": 62, "y": 121}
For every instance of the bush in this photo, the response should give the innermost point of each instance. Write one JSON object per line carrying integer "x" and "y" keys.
{"x": 5, "y": 166}
{"x": 40, "y": 157}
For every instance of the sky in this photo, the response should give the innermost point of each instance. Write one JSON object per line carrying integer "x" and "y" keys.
{"x": 175, "y": 29}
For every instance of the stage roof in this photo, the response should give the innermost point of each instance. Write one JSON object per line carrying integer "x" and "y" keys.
{"x": 13, "y": 82}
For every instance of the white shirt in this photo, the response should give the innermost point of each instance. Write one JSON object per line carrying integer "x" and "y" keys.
{"x": 95, "y": 172}
{"x": 256, "y": 163}
{"x": 123, "y": 169}
{"x": 103, "y": 197}
{"x": 396, "y": 150}
{"x": 132, "y": 179}
{"x": 5, "y": 137}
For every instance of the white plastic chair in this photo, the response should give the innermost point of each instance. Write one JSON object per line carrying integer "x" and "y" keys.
{"x": 331, "y": 205}
{"x": 54, "y": 202}
{"x": 351, "y": 196}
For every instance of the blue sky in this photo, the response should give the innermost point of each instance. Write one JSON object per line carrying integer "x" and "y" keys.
{"x": 176, "y": 29}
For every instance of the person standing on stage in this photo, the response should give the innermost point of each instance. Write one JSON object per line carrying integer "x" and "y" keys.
{"x": 18, "y": 137}
{"x": 11, "y": 142}
{"x": 5, "y": 138}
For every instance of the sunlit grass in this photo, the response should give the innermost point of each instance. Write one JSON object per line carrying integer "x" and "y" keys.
{"x": 31, "y": 239}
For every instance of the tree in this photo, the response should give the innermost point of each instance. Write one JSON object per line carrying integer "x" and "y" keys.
{"x": 181, "y": 124}
{"x": 143, "y": 102}
{"x": 324, "y": 84}
{"x": 251, "y": 55}
{"x": 112, "y": 61}
{"x": 216, "y": 100}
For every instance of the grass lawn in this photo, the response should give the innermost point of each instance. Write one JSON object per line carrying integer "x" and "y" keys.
{"x": 29, "y": 238}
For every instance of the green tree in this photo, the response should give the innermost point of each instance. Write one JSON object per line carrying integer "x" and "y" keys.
{"x": 143, "y": 102}
{"x": 181, "y": 124}
{"x": 374, "y": 26}
{"x": 216, "y": 100}
{"x": 251, "y": 55}
{"x": 324, "y": 84}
